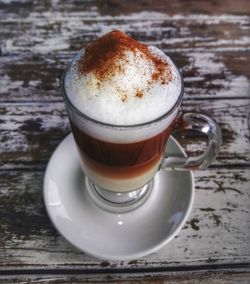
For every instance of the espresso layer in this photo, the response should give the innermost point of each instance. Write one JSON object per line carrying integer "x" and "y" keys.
{"x": 119, "y": 159}
{"x": 121, "y": 172}
{"x": 120, "y": 155}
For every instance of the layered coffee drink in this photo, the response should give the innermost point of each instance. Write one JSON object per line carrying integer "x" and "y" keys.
{"x": 125, "y": 96}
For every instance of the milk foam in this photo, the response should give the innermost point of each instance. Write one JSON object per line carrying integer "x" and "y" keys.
{"x": 126, "y": 98}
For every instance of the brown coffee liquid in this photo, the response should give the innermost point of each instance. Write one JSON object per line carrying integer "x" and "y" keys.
{"x": 118, "y": 160}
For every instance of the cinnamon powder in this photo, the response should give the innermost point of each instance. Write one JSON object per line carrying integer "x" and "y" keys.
{"x": 104, "y": 56}
{"x": 139, "y": 94}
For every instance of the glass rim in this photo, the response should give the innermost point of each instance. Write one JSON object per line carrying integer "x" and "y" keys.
{"x": 71, "y": 106}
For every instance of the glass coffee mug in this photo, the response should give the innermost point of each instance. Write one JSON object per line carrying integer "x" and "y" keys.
{"x": 120, "y": 161}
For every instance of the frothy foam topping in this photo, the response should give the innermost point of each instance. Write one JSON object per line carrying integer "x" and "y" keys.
{"x": 121, "y": 81}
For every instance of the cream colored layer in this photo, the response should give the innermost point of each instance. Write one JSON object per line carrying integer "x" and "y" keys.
{"x": 123, "y": 184}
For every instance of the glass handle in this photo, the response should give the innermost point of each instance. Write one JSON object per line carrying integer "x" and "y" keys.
{"x": 203, "y": 124}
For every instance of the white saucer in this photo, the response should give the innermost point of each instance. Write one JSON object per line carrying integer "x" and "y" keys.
{"x": 113, "y": 236}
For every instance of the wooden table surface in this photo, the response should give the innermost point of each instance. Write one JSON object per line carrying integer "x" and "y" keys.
{"x": 209, "y": 41}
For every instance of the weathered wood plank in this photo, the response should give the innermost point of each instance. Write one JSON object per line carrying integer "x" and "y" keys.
{"x": 114, "y": 7}
{"x": 221, "y": 208}
{"x": 30, "y": 132}
{"x": 227, "y": 277}
{"x": 48, "y": 32}
{"x": 206, "y": 75}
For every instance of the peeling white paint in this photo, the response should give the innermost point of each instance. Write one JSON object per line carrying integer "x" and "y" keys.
{"x": 94, "y": 15}
{"x": 84, "y": 25}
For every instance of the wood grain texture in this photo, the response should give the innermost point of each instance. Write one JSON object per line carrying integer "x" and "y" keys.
{"x": 209, "y": 41}
{"x": 227, "y": 277}
{"x": 116, "y": 7}
{"x": 31, "y": 26}
{"x": 50, "y": 32}
{"x": 221, "y": 208}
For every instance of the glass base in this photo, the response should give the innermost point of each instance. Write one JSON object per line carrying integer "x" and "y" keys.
{"x": 118, "y": 202}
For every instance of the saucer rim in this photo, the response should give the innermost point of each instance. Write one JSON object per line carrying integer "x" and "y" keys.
{"x": 124, "y": 257}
